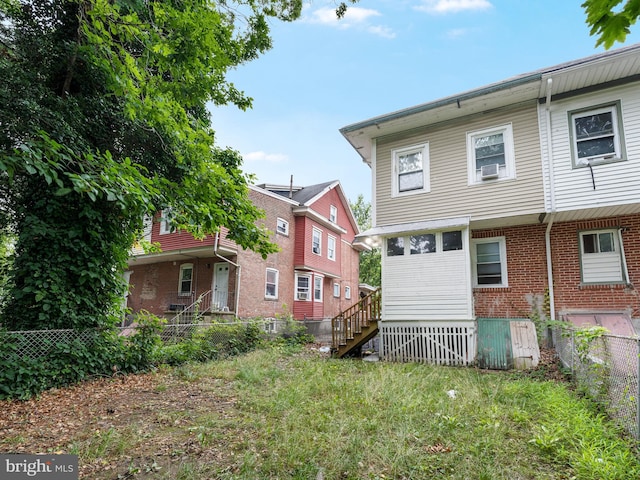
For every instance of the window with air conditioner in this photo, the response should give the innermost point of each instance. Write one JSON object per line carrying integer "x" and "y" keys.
{"x": 596, "y": 135}
{"x": 303, "y": 286}
{"x": 316, "y": 241}
{"x": 490, "y": 154}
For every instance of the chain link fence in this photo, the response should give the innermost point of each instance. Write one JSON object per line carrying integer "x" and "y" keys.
{"x": 606, "y": 368}
{"x": 38, "y": 343}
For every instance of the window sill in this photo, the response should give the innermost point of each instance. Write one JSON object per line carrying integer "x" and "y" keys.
{"x": 496, "y": 288}
{"x": 604, "y": 286}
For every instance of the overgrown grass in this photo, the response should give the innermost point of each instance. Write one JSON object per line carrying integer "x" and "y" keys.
{"x": 302, "y": 417}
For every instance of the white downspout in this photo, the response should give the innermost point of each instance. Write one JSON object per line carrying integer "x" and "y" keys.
{"x": 215, "y": 252}
{"x": 552, "y": 201}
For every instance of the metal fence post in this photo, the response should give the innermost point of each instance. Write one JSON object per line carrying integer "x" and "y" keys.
{"x": 638, "y": 390}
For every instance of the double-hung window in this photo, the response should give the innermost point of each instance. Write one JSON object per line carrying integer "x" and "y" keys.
{"x": 282, "y": 226}
{"x": 317, "y": 288}
{"x": 347, "y": 292}
{"x": 600, "y": 257}
{"x": 596, "y": 135}
{"x": 316, "y": 241}
{"x": 303, "y": 284}
{"x": 331, "y": 247}
{"x": 333, "y": 214}
{"x": 185, "y": 282}
{"x": 490, "y": 154}
{"x": 490, "y": 262}
{"x": 165, "y": 221}
{"x": 411, "y": 170}
{"x": 271, "y": 285}
{"x": 336, "y": 290}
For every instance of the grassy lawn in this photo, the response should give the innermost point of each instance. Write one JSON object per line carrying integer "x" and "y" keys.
{"x": 294, "y": 414}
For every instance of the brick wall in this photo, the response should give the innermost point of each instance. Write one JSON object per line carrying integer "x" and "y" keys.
{"x": 570, "y": 293}
{"x": 154, "y": 287}
{"x": 527, "y": 271}
{"x": 254, "y": 268}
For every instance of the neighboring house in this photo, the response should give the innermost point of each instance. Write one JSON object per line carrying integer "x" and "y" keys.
{"x": 313, "y": 276}
{"x": 517, "y": 200}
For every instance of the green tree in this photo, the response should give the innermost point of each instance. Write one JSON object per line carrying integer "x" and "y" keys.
{"x": 611, "y": 20}
{"x": 104, "y": 120}
{"x": 370, "y": 261}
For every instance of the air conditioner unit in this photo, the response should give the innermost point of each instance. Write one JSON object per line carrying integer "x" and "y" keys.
{"x": 490, "y": 171}
{"x": 303, "y": 296}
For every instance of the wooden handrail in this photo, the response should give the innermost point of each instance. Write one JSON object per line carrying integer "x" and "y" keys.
{"x": 351, "y": 321}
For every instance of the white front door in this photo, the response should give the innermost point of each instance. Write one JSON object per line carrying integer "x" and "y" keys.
{"x": 221, "y": 286}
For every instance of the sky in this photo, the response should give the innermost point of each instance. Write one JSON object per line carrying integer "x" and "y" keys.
{"x": 385, "y": 55}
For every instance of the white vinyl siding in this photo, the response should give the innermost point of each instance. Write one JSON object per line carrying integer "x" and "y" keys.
{"x": 615, "y": 183}
{"x": 431, "y": 286}
{"x": 600, "y": 257}
{"x": 450, "y": 193}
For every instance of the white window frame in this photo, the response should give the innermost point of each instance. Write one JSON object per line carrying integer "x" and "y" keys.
{"x": 318, "y": 280}
{"x": 618, "y": 136}
{"x": 316, "y": 233}
{"x": 282, "y": 226}
{"x": 165, "y": 226}
{"x": 506, "y": 172}
{"x": 333, "y": 214}
{"x": 347, "y": 292}
{"x": 502, "y": 243}
{"x": 275, "y": 283}
{"x": 183, "y": 268}
{"x": 303, "y": 294}
{"x": 336, "y": 289}
{"x": 396, "y": 156}
{"x": 590, "y": 263}
{"x": 331, "y": 247}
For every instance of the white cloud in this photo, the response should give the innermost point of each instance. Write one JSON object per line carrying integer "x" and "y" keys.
{"x": 265, "y": 157}
{"x": 453, "y": 6}
{"x": 355, "y": 17}
{"x": 381, "y": 31}
{"x": 457, "y": 33}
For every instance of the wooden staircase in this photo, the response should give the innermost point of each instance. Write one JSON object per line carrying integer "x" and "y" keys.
{"x": 356, "y": 325}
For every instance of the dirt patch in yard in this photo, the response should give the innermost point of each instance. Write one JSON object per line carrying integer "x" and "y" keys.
{"x": 124, "y": 426}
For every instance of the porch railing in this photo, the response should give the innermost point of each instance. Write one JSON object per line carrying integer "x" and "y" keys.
{"x": 357, "y": 324}
{"x": 192, "y": 313}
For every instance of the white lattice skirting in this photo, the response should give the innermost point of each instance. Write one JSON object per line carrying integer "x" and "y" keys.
{"x": 440, "y": 343}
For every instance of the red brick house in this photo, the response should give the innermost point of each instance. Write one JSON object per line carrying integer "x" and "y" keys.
{"x": 314, "y": 275}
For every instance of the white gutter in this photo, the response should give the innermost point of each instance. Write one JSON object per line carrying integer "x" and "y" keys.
{"x": 215, "y": 252}
{"x": 552, "y": 203}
